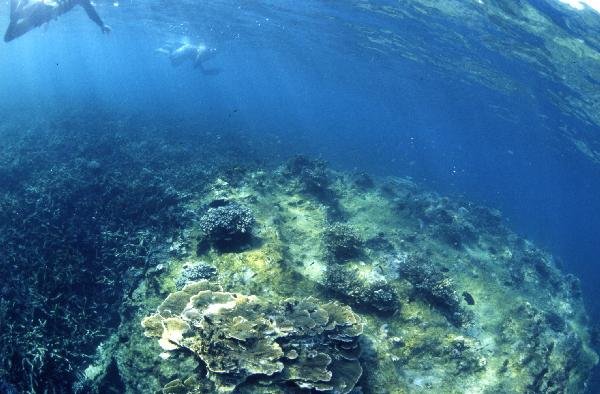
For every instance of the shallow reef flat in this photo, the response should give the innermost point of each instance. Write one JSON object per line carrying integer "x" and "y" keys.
{"x": 304, "y": 279}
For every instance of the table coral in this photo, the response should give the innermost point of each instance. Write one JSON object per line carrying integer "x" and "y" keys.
{"x": 304, "y": 342}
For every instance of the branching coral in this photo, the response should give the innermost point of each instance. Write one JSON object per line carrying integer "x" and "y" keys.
{"x": 430, "y": 283}
{"x": 195, "y": 272}
{"x": 227, "y": 226}
{"x": 342, "y": 242}
{"x": 311, "y": 174}
{"x": 88, "y": 204}
{"x": 376, "y": 295}
{"x": 75, "y": 238}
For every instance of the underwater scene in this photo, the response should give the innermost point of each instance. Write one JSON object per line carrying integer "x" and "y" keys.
{"x": 285, "y": 196}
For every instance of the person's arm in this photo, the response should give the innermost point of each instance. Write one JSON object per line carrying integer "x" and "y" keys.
{"x": 17, "y": 26}
{"x": 93, "y": 15}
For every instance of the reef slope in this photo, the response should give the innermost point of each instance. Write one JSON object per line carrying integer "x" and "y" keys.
{"x": 304, "y": 279}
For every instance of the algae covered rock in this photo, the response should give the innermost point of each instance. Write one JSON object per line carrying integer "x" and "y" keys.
{"x": 301, "y": 342}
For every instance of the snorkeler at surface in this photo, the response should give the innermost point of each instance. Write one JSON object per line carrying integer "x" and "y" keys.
{"x": 186, "y": 52}
{"x": 25, "y": 15}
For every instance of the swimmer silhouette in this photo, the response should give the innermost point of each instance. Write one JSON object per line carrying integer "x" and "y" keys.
{"x": 25, "y": 15}
{"x": 195, "y": 54}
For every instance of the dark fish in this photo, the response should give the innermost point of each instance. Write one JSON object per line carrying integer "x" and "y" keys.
{"x": 468, "y": 298}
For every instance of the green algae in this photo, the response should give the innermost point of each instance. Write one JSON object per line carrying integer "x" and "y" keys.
{"x": 527, "y": 329}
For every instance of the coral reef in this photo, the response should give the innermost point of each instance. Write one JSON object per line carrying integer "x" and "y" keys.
{"x": 541, "y": 338}
{"x": 363, "y": 180}
{"x": 227, "y": 226}
{"x": 194, "y": 272}
{"x": 342, "y": 241}
{"x": 435, "y": 287}
{"x": 375, "y": 294}
{"x": 304, "y": 342}
{"x": 90, "y": 202}
{"x": 480, "y": 312}
{"x": 309, "y": 173}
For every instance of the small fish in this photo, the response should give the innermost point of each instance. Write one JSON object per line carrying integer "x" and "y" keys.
{"x": 468, "y": 298}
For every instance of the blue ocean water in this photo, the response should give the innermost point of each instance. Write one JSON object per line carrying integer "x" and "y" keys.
{"x": 387, "y": 87}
